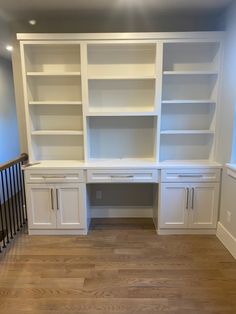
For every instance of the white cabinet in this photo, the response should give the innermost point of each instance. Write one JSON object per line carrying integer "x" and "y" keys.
{"x": 186, "y": 205}
{"x": 189, "y": 199}
{"x": 40, "y": 203}
{"x": 56, "y": 206}
{"x": 189, "y": 205}
{"x": 118, "y": 100}
{"x": 173, "y": 211}
{"x": 70, "y": 209}
{"x": 204, "y": 205}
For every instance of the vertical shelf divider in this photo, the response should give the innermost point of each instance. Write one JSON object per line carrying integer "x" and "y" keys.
{"x": 158, "y": 103}
{"x": 84, "y": 87}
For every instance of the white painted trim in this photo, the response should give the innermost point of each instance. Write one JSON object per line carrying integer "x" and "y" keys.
{"x": 231, "y": 173}
{"x": 231, "y": 170}
{"x": 124, "y": 36}
{"x": 121, "y": 212}
{"x": 227, "y": 239}
{"x": 84, "y": 94}
{"x": 112, "y": 164}
{"x": 57, "y": 232}
{"x": 26, "y": 103}
{"x": 158, "y": 95}
{"x": 185, "y": 231}
{"x": 219, "y": 90}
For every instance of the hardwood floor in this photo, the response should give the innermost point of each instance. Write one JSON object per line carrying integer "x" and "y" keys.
{"x": 122, "y": 266}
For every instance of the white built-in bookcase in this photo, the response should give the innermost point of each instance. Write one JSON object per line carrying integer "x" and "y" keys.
{"x": 190, "y": 89}
{"x": 53, "y": 96}
{"x": 122, "y": 101}
{"x": 147, "y": 100}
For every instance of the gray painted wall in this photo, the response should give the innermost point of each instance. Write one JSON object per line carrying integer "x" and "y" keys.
{"x": 9, "y": 142}
{"x": 228, "y": 203}
{"x": 227, "y": 151}
{"x": 122, "y": 194}
{"x": 228, "y": 98}
{"x": 5, "y": 38}
{"x": 130, "y": 21}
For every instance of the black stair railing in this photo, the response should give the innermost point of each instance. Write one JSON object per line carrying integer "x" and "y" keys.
{"x": 13, "y": 211}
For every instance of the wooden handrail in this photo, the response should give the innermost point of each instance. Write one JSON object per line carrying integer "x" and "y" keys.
{"x": 8, "y": 164}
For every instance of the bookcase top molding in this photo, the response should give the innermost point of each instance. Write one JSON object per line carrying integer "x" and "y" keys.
{"x": 122, "y": 36}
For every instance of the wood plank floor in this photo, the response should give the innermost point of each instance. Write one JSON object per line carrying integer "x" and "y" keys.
{"x": 122, "y": 266}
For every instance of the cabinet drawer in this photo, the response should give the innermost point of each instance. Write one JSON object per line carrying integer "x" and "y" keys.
{"x": 190, "y": 175}
{"x": 122, "y": 176}
{"x": 54, "y": 176}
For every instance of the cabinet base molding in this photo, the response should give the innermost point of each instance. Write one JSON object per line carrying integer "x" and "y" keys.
{"x": 227, "y": 239}
{"x": 185, "y": 231}
{"x": 57, "y": 232}
{"x": 121, "y": 212}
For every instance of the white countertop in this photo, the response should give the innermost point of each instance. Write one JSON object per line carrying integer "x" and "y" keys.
{"x": 123, "y": 164}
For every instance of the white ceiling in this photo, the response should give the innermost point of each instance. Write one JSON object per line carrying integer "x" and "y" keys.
{"x": 20, "y": 9}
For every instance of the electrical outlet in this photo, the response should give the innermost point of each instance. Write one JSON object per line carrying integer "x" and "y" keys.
{"x": 98, "y": 195}
{"x": 228, "y": 217}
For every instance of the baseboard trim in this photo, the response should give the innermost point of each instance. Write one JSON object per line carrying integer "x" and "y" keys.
{"x": 52, "y": 232}
{"x": 227, "y": 239}
{"x": 186, "y": 231}
{"x": 121, "y": 212}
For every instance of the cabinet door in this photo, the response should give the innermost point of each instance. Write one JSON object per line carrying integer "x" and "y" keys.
{"x": 174, "y": 205}
{"x": 41, "y": 206}
{"x": 70, "y": 206}
{"x": 204, "y": 205}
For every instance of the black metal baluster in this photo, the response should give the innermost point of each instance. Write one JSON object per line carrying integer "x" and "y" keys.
{"x": 2, "y": 224}
{"x": 5, "y": 205}
{"x": 13, "y": 201}
{"x": 18, "y": 213}
{"x": 19, "y": 196}
{"x": 23, "y": 187}
{"x": 8, "y": 203}
{"x": 19, "y": 183}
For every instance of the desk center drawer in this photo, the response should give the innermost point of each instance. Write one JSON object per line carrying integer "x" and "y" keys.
{"x": 150, "y": 175}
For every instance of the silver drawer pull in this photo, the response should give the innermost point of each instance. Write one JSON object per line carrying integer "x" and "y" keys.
{"x": 52, "y": 202}
{"x": 187, "y": 200}
{"x": 190, "y": 175}
{"x": 53, "y": 177}
{"x": 192, "y": 198}
{"x": 120, "y": 176}
{"x": 57, "y": 199}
